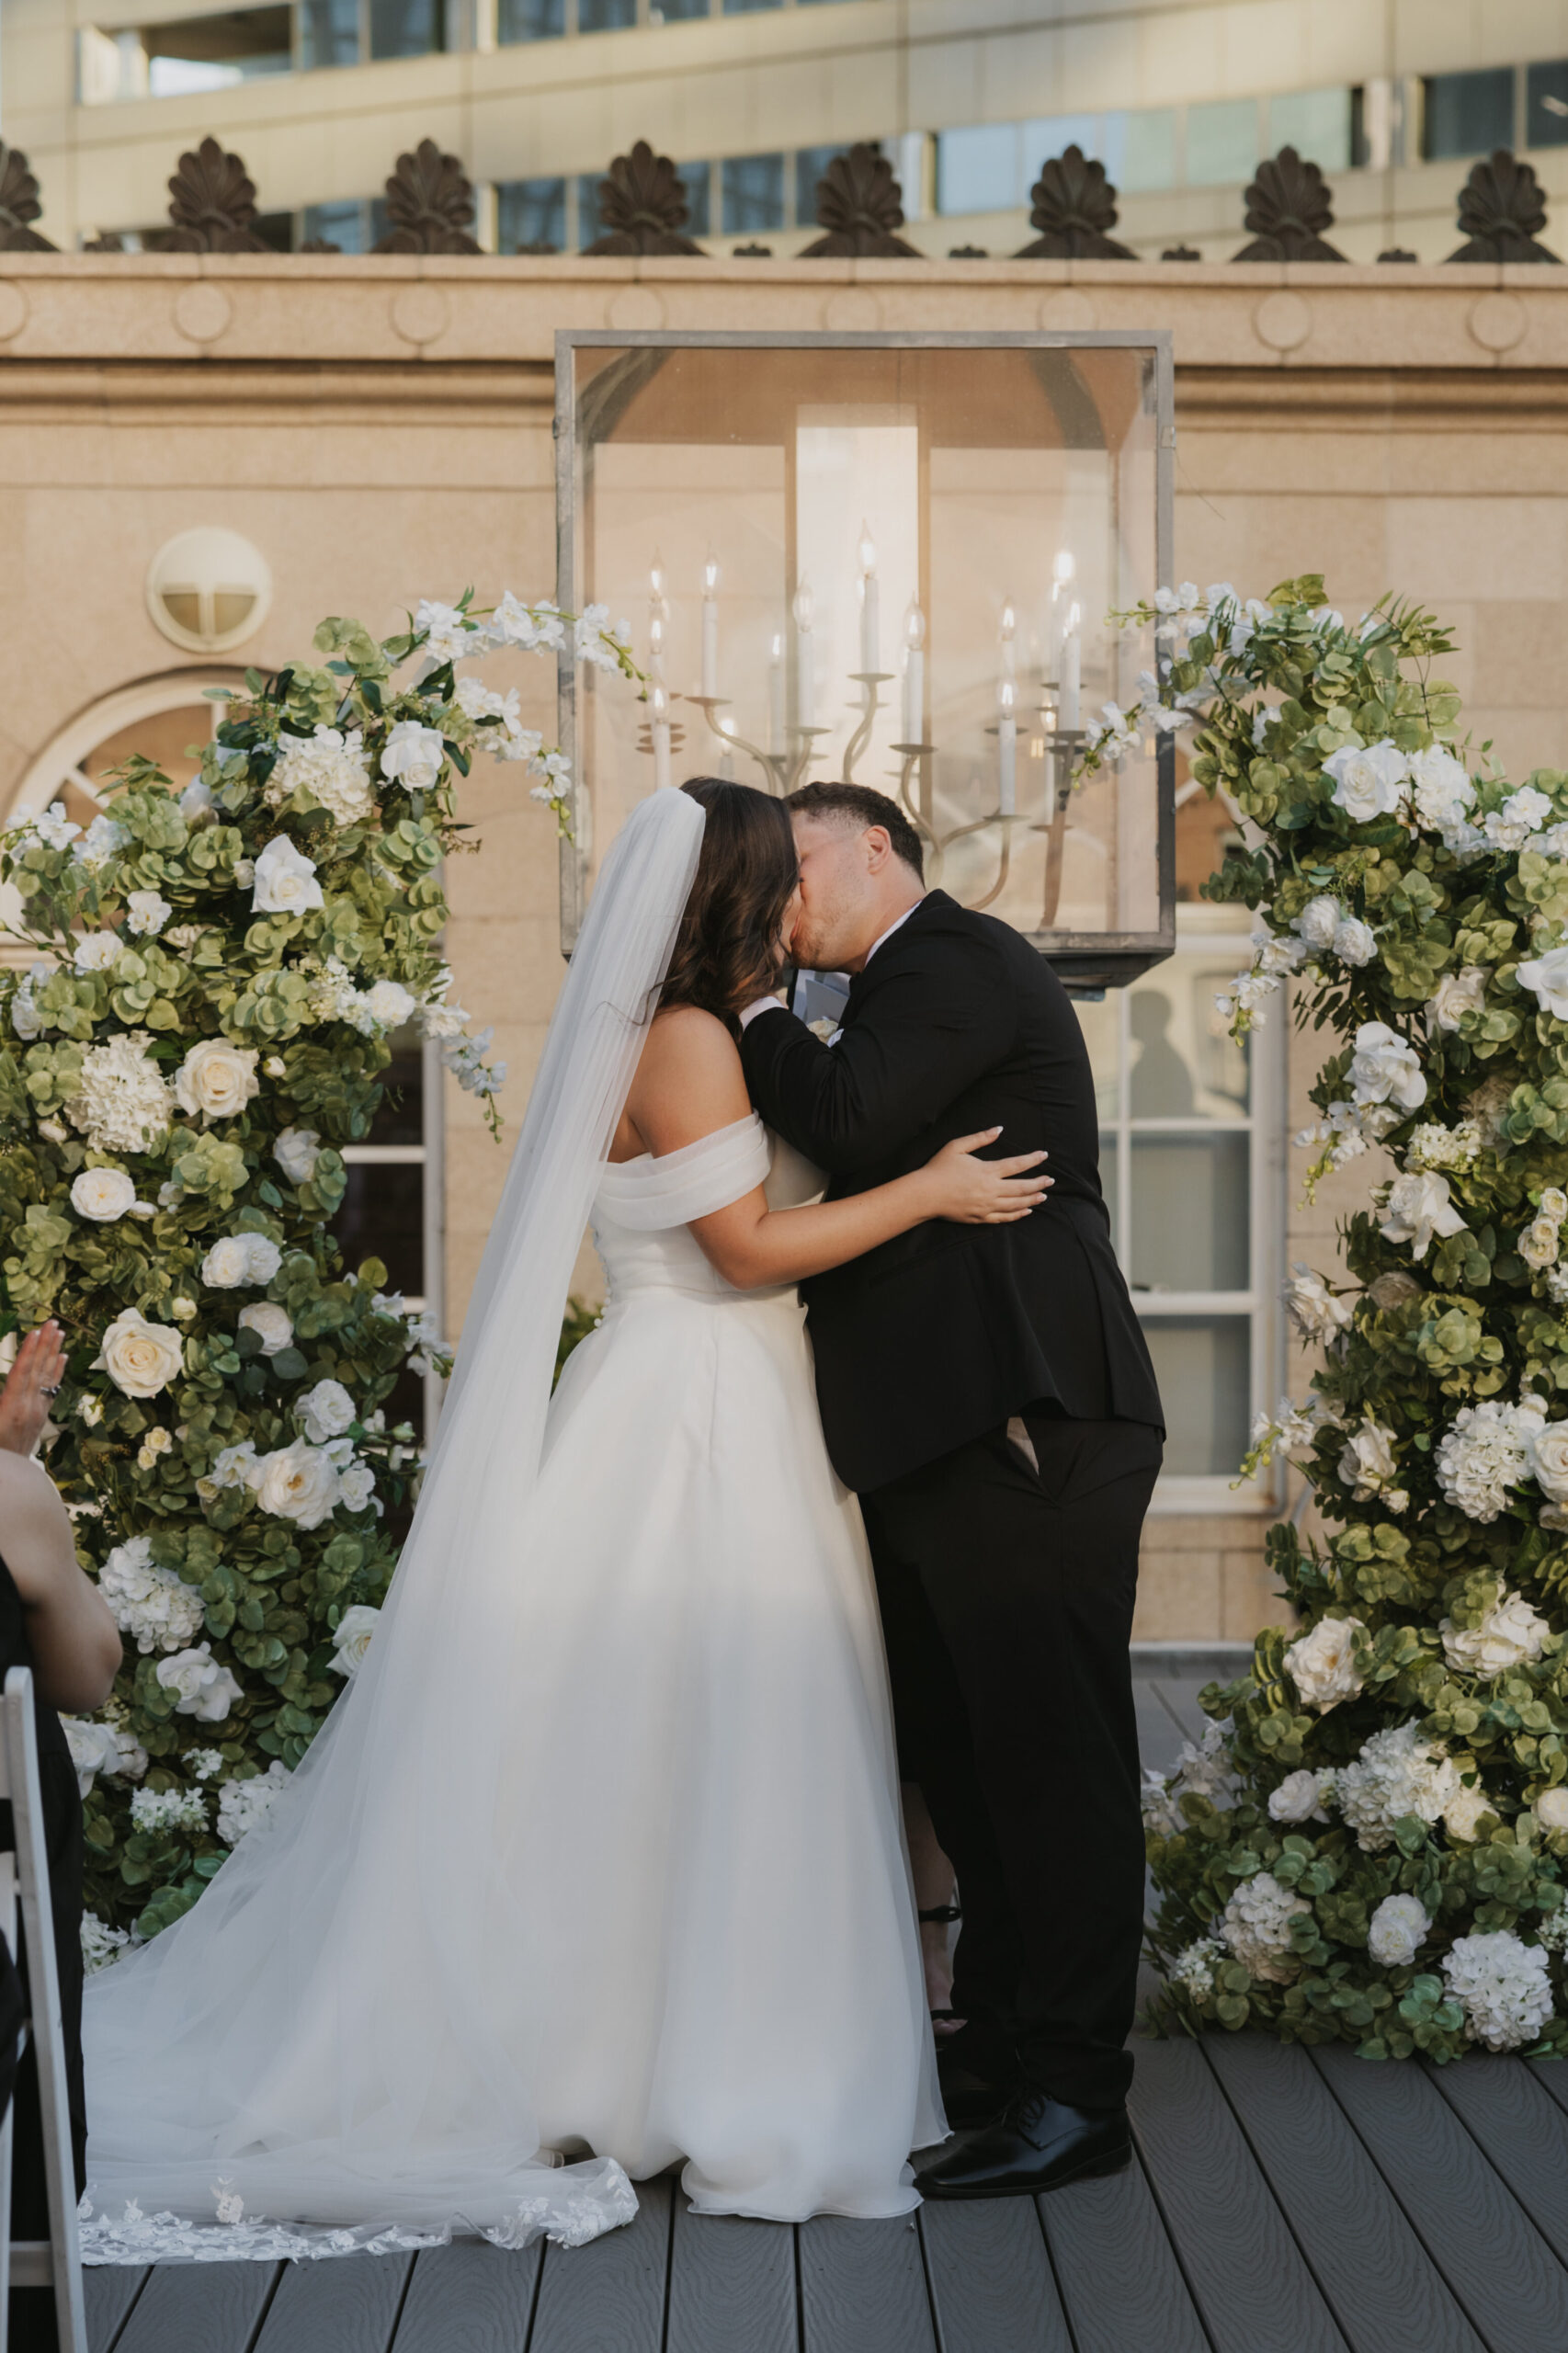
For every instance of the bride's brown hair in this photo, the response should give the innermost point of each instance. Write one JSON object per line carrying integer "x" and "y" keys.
{"x": 726, "y": 951}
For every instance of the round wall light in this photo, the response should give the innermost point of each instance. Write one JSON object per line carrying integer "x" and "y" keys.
{"x": 209, "y": 589}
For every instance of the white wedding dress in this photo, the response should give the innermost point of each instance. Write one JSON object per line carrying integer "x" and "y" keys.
{"x": 599, "y": 1857}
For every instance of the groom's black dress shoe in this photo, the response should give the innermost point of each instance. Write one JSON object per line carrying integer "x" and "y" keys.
{"x": 1039, "y": 2144}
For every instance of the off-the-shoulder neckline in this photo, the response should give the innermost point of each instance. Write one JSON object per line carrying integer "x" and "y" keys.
{"x": 682, "y": 1152}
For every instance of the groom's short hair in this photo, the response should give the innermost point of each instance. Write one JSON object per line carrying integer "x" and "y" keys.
{"x": 852, "y": 807}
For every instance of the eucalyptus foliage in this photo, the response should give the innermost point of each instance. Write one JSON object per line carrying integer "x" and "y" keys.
{"x": 1371, "y": 1842}
{"x": 204, "y": 1025}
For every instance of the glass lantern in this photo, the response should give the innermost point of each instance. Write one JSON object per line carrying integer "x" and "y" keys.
{"x": 888, "y": 560}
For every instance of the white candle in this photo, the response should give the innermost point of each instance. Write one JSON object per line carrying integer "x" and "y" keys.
{"x": 659, "y": 706}
{"x": 870, "y": 616}
{"x": 1006, "y": 750}
{"x": 804, "y": 608}
{"x": 1062, "y": 575}
{"x": 775, "y": 693}
{"x": 1009, "y": 624}
{"x": 913, "y": 672}
{"x": 710, "y": 626}
{"x": 1071, "y": 656}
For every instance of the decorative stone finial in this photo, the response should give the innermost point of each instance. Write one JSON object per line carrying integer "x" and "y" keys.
{"x": 1501, "y": 212}
{"x": 20, "y": 207}
{"x": 1181, "y": 252}
{"x": 859, "y": 204}
{"x": 643, "y": 204}
{"x": 1289, "y": 207}
{"x": 211, "y": 205}
{"x": 1074, "y": 206}
{"x": 430, "y": 205}
{"x": 968, "y": 252}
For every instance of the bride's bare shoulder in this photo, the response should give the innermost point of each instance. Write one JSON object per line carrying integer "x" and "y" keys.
{"x": 688, "y": 1037}
{"x": 689, "y": 1081}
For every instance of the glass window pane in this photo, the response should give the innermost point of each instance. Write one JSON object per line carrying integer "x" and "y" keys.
{"x": 1469, "y": 114}
{"x": 1101, "y": 1026}
{"x": 589, "y": 226}
{"x": 745, "y": 7}
{"x": 670, "y": 12}
{"x": 978, "y": 170}
{"x": 1139, "y": 150}
{"x": 400, "y": 1116}
{"x": 531, "y": 216}
{"x": 1221, "y": 143}
{"x": 383, "y": 1216}
{"x": 1186, "y": 1064}
{"x": 341, "y": 224}
{"x": 698, "y": 181}
{"x": 406, "y": 27}
{"x": 1049, "y": 136}
{"x": 329, "y": 32}
{"x": 1202, "y": 1364}
{"x": 1191, "y": 1219}
{"x": 529, "y": 20}
{"x": 1316, "y": 123}
{"x": 605, "y": 16}
{"x": 811, "y": 162}
{"x": 1546, "y": 104}
{"x": 754, "y": 193}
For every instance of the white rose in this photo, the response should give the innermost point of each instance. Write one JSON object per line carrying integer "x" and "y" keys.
{"x": 207, "y": 1690}
{"x": 296, "y": 1153}
{"x": 1322, "y": 1665}
{"x": 95, "y": 951}
{"x": 285, "y": 880}
{"x": 1461, "y": 1815}
{"x": 1397, "y": 1929}
{"x": 326, "y": 1411}
{"x": 1318, "y": 921}
{"x": 1537, "y": 1243}
{"x": 195, "y": 800}
{"x": 1419, "y": 1208}
{"x": 1443, "y": 788}
{"x": 390, "y": 1002}
{"x": 1511, "y": 1634}
{"x": 1367, "y": 1464}
{"x": 414, "y": 756}
{"x": 1552, "y": 1809}
{"x": 1383, "y": 1069}
{"x": 1554, "y": 1204}
{"x": 1299, "y": 1798}
{"x": 1368, "y": 781}
{"x": 138, "y": 1357}
{"x": 1456, "y": 995}
{"x": 1354, "y": 942}
{"x": 238, "y": 1258}
{"x": 1317, "y": 1312}
{"x": 351, "y": 1639}
{"x": 1548, "y": 1450}
{"x": 298, "y": 1482}
{"x": 148, "y": 912}
{"x": 270, "y": 1323}
{"x": 94, "y": 1749}
{"x": 217, "y": 1079}
{"x": 244, "y": 873}
{"x": 102, "y": 1194}
{"x": 357, "y": 1487}
{"x": 1547, "y": 978}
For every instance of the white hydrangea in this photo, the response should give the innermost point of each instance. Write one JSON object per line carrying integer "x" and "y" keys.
{"x": 388, "y": 1003}
{"x": 155, "y": 1607}
{"x": 1302, "y": 1796}
{"x": 1462, "y": 1815}
{"x": 168, "y": 1809}
{"x": 202, "y": 1763}
{"x": 1256, "y": 1925}
{"x": 241, "y": 1805}
{"x": 1487, "y": 1451}
{"x": 1322, "y": 1663}
{"x": 1397, "y": 1930}
{"x": 1193, "y": 1967}
{"x": 123, "y": 1104}
{"x": 1511, "y": 1634}
{"x": 1503, "y": 1985}
{"x": 332, "y": 768}
{"x": 1432, "y": 1145}
{"x": 1398, "y": 1773}
{"x": 1318, "y": 1313}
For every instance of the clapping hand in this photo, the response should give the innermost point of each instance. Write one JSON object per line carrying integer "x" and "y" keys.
{"x": 30, "y": 1387}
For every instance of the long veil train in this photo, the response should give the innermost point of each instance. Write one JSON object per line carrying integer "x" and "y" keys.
{"x": 330, "y": 2038}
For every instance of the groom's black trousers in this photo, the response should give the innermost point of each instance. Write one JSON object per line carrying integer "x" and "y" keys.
{"x": 1006, "y": 1598}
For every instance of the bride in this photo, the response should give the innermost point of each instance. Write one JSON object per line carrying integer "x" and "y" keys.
{"x": 599, "y": 1856}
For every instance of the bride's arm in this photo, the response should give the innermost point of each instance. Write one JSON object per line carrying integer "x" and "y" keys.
{"x": 690, "y": 1085}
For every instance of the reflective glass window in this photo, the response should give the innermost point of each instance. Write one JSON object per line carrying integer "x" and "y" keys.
{"x": 753, "y": 193}
{"x": 531, "y": 216}
{"x": 1221, "y": 143}
{"x": 1468, "y": 114}
{"x": 1546, "y": 103}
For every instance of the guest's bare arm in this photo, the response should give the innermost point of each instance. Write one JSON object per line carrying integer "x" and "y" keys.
{"x": 74, "y": 1641}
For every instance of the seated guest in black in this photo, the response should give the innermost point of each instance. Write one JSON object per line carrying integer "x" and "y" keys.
{"x": 988, "y": 1392}
{"x": 54, "y": 1621}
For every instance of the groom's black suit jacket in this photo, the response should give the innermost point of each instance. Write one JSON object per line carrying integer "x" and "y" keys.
{"x": 956, "y": 1024}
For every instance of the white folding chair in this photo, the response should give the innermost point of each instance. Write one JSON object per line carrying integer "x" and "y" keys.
{"x": 55, "y": 2261}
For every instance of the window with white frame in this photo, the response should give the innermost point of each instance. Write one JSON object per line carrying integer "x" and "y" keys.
{"x": 392, "y": 1207}
{"x": 1190, "y": 1162}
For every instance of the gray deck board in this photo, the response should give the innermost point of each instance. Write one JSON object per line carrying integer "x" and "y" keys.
{"x": 992, "y": 2290}
{"x": 731, "y": 2284}
{"x": 1521, "y": 2131}
{"x": 1178, "y": 1693}
{"x": 470, "y": 2297}
{"x": 1158, "y": 1736}
{"x": 108, "y": 2290}
{"x": 339, "y": 2304}
{"x": 199, "y": 2308}
{"x": 1493, "y": 2259}
{"x": 1244, "y": 2270}
{"x": 608, "y": 2297}
{"x": 863, "y": 2288}
{"x": 1552, "y": 2075}
{"x": 1121, "y": 2286}
{"x": 1372, "y": 2269}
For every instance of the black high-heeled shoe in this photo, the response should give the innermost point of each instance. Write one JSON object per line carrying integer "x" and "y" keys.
{"x": 948, "y": 2020}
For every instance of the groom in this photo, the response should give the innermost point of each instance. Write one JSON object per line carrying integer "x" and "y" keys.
{"x": 987, "y": 1392}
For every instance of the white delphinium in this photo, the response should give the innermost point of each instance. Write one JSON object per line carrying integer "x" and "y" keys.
{"x": 1383, "y": 1069}
{"x": 1322, "y": 1663}
{"x": 331, "y": 766}
{"x": 1302, "y": 1796}
{"x": 283, "y": 880}
{"x": 1397, "y": 1930}
{"x": 352, "y": 1637}
{"x": 100, "y": 1943}
{"x": 1318, "y": 1313}
{"x": 1420, "y": 1210}
{"x": 1349, "y": 1128}
{"x": 1504, "y": 1987}
{"x": 1368, "y": 1466}
{"x": 241, "y": 1805}
{"x": 1456, "y": 995}
{"x": 1113, "y": 735}
{"x": 1369, "y": 779}
{"x": 430, "y": 1353}
{"x": 1256, "y": 1925}
{"x": 1183, "y": 612}
{"x": 1511, "y": 1634}
{"x": 155, "y": 1607}
{"x": 1546, "y": 977}
{"x": 296, "y": 1151}
{"x": 27, "y": 1020}
{"x": 595, "y": 642}
{"x": 530, "y": 627}
{"x": 1487, "y": 1451}
{"x": 1193, "y": 1967}
{"x": 449, "y": 635}
{"x": 147, "y": 912}
{"x": 168, "y": 1809}
{"x": 205, "y": 1688}
{"x": 123, "y": 1103}
{"x": 1202, "y": 1769}
{"x": 202, "y": 1764}
{"x": 1290, "y": 1429}
{"x": 1398, "y": 1773}
{"x": 1432, "y": 1145}
{"x": 1442, "y": 795}
{"x": 1524, "y": 812}
{"x": 217, "y": 1079}
{"x": 464, "y": 1057}
{"x": 53, "y": 828}
{"x": 237, "y": 1258}
{"x": 104, "y": 839}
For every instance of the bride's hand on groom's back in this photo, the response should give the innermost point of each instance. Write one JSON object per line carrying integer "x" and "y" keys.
{"x": 972, "y": 1191}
